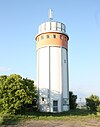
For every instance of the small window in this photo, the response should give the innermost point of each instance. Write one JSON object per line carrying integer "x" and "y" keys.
{"x": 55, "y": 103}
{"x": 55, "y": 106}
{"x": 61, "y": 37}
{"x": 48, "y": 36}
{"x": 42, "y": 98}
{"x": 65, "y": 101}
{"x": 42, "y": 37}
{"x": 54, "y": 36}
{"x": 55, "y": 109}
{"x": 64, "y": 61}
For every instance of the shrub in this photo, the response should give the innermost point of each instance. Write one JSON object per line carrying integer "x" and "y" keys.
{"x": 98, "y": 108}
{"x": 16, "y": 93}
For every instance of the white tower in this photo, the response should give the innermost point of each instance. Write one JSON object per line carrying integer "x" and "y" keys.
{"x": 52, "y": 66}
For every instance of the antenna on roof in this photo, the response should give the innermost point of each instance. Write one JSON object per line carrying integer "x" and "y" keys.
{"x": 50, "y": 14}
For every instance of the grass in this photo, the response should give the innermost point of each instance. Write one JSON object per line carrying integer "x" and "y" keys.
{"x": 72, "y": 115}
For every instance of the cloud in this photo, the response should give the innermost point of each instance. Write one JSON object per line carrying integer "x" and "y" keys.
{"x": 2, "y": 69}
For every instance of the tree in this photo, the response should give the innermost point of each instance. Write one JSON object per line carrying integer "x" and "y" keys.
{"x": 98, "y": 108}
{"x": 72, "y": 100}
{"x": 15, "y": 93}
{"x": 31, "y": 90}
{"x": 92, "y": 102}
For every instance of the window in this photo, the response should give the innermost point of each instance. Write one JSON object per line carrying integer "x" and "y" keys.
{"x": 61, "y": 37}
{"x": 65, "y": 38}
{"x": 64, "y": 61}
{"x": 55, "y": 109}
{"x": 42, "y": 37}
{"x": 55, "y": 105}
{"x": 42, "y": 98}
{"x": 54, "y": 36}
{"x": 48, "y": 36}
{"x": 64, "y": 101}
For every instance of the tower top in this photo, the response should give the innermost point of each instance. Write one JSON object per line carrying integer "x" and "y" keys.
{"x": 52, "y": 26}
{"x": 50, "y": 14}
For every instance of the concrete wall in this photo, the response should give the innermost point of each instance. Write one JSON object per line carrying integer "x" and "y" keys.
{"x": 53, "y": 78}
{"x": 43, "y": 77}
{"x": 65, "y": 82}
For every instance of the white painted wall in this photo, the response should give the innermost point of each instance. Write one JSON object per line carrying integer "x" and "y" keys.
{"x": 43, "y": 77}
{"x": 65, "y": 82}
{"x": 52, "y": 78}
{"x": 55, "y": 75}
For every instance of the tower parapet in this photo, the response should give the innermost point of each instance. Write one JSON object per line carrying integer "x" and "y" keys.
{"x": 52, "y": 26}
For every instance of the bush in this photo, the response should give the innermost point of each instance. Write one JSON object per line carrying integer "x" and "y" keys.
{"x": 98, "y": 108}
{"x": 72, "y": 100}
{"x": 92, "y": 102}
{"x": 16, "y": 93}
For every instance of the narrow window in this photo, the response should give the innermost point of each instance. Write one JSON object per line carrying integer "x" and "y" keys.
{"x": 48, "y": 36}
{"x": 55, "y": 106}
{"x": 54, "y": 36}
{"x": 42, "y": 98}
{"x": 42, "y": 37}
{"x": 61, "y": 37}
{"x": 65, "y": 101}
{"x": 64, "y": 61}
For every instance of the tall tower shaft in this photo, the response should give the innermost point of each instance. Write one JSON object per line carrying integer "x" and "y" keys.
{"x": 52, "y": 66}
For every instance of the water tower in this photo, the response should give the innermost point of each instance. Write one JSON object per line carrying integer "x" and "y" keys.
{"x": 52, "y": 66}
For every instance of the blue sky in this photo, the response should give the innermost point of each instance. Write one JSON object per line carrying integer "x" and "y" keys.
{"x": 19, "y": 21}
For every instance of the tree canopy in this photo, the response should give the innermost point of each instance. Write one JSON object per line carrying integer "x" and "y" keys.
{"x": 92, "y": 102}
{"x": 16, "y": 93}
{"x": 72, "y": 100}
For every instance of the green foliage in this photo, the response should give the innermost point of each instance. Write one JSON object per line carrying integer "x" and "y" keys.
{"x": 72, "y": 115}
{"x": 72, "y": 100}
{"x": 92, "y": 102}
{"x": 7, "y": 119}
{"x": 15, "y": 93}
{"x": 98, "y": 108}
